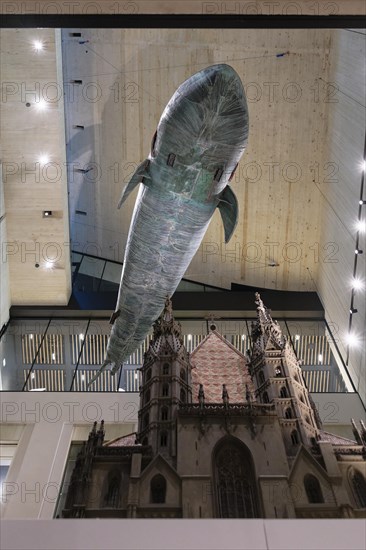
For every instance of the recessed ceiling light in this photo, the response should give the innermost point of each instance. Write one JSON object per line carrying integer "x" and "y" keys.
{"x": 38, "y": 45}
{"x": 41, "y": 105}
{"x": 43, "y": 159}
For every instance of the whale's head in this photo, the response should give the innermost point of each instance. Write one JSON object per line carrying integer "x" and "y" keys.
{"x": 205, "y": 124}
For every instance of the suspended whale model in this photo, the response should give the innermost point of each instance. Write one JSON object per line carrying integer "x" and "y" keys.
{"x": 198, "y": 143}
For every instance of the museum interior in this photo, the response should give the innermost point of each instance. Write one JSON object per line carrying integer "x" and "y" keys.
{"x": 79, "y": 110}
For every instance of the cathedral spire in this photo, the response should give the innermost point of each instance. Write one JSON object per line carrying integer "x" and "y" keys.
{"x": 166, "y": 382}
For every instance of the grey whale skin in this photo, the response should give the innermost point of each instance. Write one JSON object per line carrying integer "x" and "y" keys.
{"x": 200, "y": 138}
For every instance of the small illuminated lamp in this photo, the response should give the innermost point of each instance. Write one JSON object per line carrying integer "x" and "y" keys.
{"x": 361, "y": 226}
{"x": 4, "y": 362}
{"x": 357, "y": 284}
{"x": 41, "y": 105}
{"x": 38, "y": 45}
{"x": 353, "y": 310}
{"x": 358, "y": 251}
{"x": 352, "y": 340}
{"x": 361, "y": 202}
{"x": 81, "y": 336}
{"x": 189, "y": 336}
{"x": 43, "y": 159}
{"x": 48, "y": 265}
{"x": 47, "y": 213}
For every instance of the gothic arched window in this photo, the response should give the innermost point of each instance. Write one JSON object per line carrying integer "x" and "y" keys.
{"x": 288, "y": 413}
{"x": 358, "y": 484}
{"x": 145, "y": 422}
{"x": 182, "y": 395}
{"x": 183, "y": 374}
{"x": 165, "y": 390}
{"x": 261, "y": 377}
{"x": 147, "y": 397}
{"x": 265, "y": 397}
{"x": 294, "y": 437}
{"x": 236, "y": 494}
{"x": 111, "y": 497}
{"x": 163, "y": 439}
{"x": 166, "y": 368}
{"x": 158, "y": 489}
{"x": 283, "y": 392}
{"x": 313, "y": 489}
{"x": 164, "y": 413}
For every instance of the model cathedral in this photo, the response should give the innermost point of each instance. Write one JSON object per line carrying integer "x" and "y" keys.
{"x": 221, "y": 435}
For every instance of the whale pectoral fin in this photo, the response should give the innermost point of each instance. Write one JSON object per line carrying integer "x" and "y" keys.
{"x": 138, "y": 176}
{"x": 228, "y": 207}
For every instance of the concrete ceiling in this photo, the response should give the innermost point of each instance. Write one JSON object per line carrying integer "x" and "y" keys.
{"x": 298, "y": 183}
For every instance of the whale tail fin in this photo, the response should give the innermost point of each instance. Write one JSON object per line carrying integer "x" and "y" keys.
{"x": 228, "y": 207}
{"x": 139, "y": 176}
{"x": 106, "y": 363}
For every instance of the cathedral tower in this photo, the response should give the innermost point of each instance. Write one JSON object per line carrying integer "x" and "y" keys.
{"x": 166, "y": 382}
{"x": 278, "y": 379}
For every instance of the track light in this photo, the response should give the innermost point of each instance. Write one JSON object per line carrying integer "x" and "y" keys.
{"x": 358, "y": 251}
{"x": 361, "y": 202}
{"x": 47, "y": 213}
{"x": 353, "y": 310}
{"x": 357, "y": 284}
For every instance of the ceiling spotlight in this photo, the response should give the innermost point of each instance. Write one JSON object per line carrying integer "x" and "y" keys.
{"x": 353, "y": 310}
{"x": 47, "y": 213}
{"x": 361, "y": 202}
{"x": 361, "y": 226}
{"x": 357, "y": 284}
{"x": 41, "y": 105}
{"x": 358, "y": 251}
{"x": 38, "y": 45}
{"x": 48, "y": 265}
{"x": 352, "y": 340}
{"x": 43, "y": 159}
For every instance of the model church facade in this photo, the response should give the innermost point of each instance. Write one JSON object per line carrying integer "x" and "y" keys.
{"x": 221, "y": 435}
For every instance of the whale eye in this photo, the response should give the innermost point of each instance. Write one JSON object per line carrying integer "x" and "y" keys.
{"x": 171, "y": 159}
{"x": 218, "y": 174}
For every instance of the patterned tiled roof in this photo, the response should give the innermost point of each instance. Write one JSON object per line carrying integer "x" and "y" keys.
{"x": 216, "y": 362}
{"x": 128, "y": 440}
{"x": 336, "y": 439}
